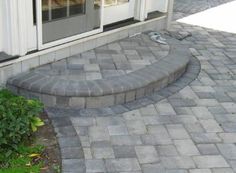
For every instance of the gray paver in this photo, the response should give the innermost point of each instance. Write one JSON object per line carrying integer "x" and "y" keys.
{"x": 211, "y": 126}
{"x": 205, "y": 138}
{"x": 153, "y": 168}
{"x": 103, "y": 153}
{"x": 83, "y": 121}
{"x": 136, "y": 127}
{"x": 146, "y": 154}
{"x": 178, "y": 162}
{"x": 119, "y": 165}
{"x": 186, "y": 147}
{"x": 177, "y": 131}
{"x": 165, "y": 109}
{"x": 202, "y": 112}
{"x": 222, "y": 170}
{"x": 124, "y": 151}
{"x": 167, "y": 150}
{"x": 228, "y": 137}
{"x": 208, "y": 149}
{"x": 126, "y": 140}
{"x": 87, "y": 153}
{"x": 156, "y": 139}
{"x": 177, "y": 171}
{"x": 72, "y": 153}
{"x": 228, "y": 150}
{"x": 95, "y": 166}
{"x": 117, "y": 130}
{"x": 215, "y": 161}
{"x": 200, "y": 171}
{"x": 73, "y": 165}
{"x": 98, "y": 134}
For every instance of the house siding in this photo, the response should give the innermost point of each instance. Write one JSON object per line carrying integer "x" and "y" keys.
{"x": 1, "y": 25}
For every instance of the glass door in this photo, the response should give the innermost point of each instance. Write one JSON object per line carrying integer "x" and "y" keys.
{"x": 68, "y": 19}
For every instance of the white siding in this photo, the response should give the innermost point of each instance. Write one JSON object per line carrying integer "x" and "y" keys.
{"x": 18, "y": 34}
{"x": 1, "y": 25}
{"x": 31, "y": 28}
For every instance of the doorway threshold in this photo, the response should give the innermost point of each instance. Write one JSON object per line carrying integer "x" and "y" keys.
{"x": 155, "y": 14}
{"x": 120, "y": 24}
{"x": 5, "y": 57}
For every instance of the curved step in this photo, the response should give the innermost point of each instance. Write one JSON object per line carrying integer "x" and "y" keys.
{"x": 103, "y": 92}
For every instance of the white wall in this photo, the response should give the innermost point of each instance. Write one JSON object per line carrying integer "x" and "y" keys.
{"x": 1, "y": 25}
{"x": 157, "y": 5}
{"x": 18, "y": 32}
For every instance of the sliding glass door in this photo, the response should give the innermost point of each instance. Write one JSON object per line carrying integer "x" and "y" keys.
{"x": 61, "y": 21}
{"x": 64, "y": 19}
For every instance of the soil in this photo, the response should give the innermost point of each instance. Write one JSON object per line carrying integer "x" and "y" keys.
{"x": 51, "y": 155}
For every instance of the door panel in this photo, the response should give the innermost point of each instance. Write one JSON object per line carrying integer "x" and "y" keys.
{"x": 156, "y": 5}
{"x": 118, "y": 10}
{"x": 66, "y": 18}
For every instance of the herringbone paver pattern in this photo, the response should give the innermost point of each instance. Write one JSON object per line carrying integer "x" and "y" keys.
{"x": 192, "y": 131}
{"x": 184, "y": 8}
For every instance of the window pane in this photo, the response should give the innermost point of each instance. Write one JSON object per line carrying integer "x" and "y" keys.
{"x": 45, "y": 10}
{"x": 59, "y": 8}
{"x": 77, "y": 7}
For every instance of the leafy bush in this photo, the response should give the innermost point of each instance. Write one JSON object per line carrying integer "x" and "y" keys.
{"x": 18, "y": 119}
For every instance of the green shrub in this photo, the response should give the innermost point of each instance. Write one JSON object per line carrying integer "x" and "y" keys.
{"x": 18, "y": 119}
{"x": 28, "y": 159}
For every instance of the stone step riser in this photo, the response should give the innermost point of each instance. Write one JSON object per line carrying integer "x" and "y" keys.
{"x": 100, "y": 101}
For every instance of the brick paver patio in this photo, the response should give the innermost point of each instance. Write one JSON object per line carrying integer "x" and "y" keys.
{"x": 191, "y": 131}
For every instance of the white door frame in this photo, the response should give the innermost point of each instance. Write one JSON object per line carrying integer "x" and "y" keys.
{"x": 31, "y": 27}
{"x": 41, "y": 45}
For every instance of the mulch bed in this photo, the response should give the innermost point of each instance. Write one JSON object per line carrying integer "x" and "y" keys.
{"x": 51, "y": 155}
